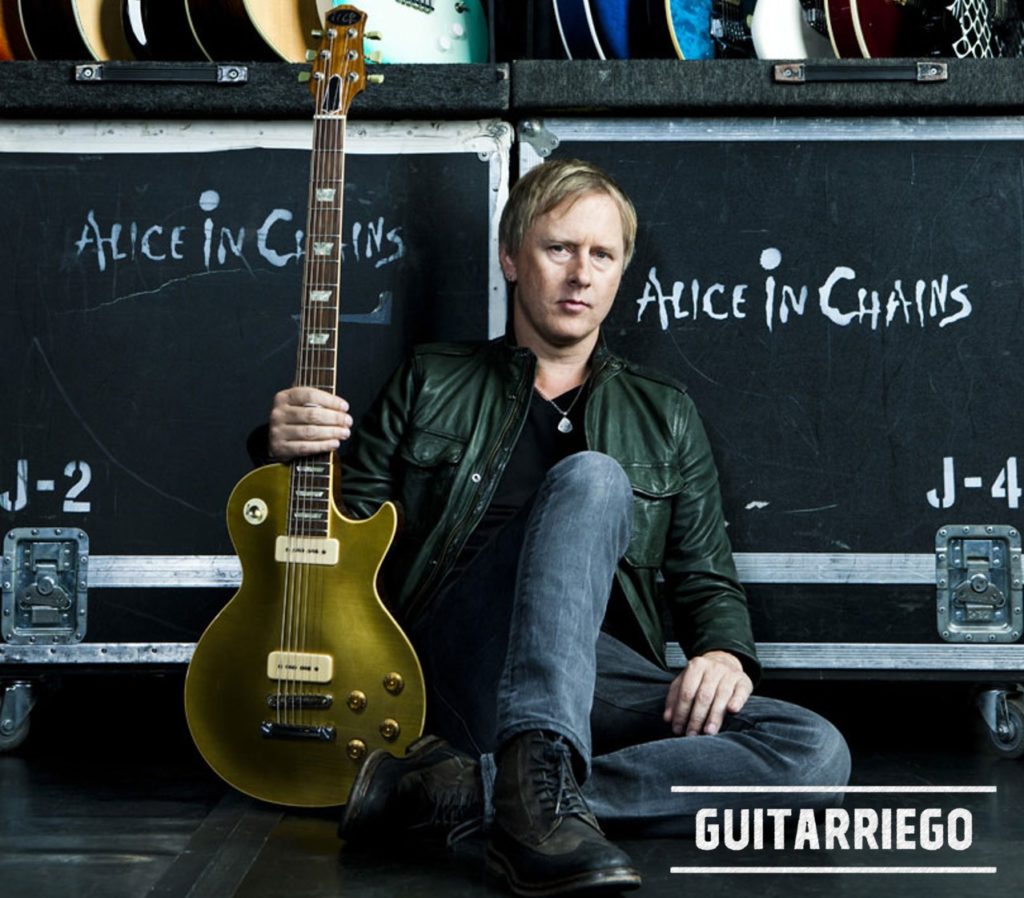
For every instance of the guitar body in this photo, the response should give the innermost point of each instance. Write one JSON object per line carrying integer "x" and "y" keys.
{"x": 160, "y": 30}
{"x": 857, "y": 37}
{"x": 883, "y": 29}
{"x": 611, "y": 22}
{"x": 273, "y": 30}
{"x": 651, "y": 33}
{"x": 732, "y": 32}
{"x": 841, "y": 31}
{"x": 328, "y": 611}
{"x": 74, "y": 29}
{"x": 13, "y": 43}
{"x": 258, "y": 30}
{"x": 779, "y": 30}
{"x": 577, "y": 29}
{"x": 427, "y": 31}
{"x": 690, "y": 24}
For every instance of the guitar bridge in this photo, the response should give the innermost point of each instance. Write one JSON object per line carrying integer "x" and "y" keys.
{"x": 299, "y": 702}
{"x": 271, "y": 730}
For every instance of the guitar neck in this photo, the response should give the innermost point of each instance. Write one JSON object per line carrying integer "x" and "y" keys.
{"x": 338, "y": 76}
{"x": 317, "y": 363}
{"x": 317, "y": 358}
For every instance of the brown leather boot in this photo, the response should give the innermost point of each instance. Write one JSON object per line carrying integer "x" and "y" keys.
{"x": 428, "y": 793}
{"x": 545, "y": 840}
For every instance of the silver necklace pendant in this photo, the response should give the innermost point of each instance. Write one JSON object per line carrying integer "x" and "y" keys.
{"x": 565, "y": 425}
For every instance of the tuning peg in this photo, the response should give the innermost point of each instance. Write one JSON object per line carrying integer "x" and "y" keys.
{"x": 311, "y": 55}
{"x": 373, "y": 36}
{"x": 375, "y": 79}
{"x": 375, "y": 57}
{"x": 317, "y": 33}
{"x": 304, "y": 77}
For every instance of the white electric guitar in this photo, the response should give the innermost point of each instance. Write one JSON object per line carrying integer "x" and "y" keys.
{"x": 779, "y": 30}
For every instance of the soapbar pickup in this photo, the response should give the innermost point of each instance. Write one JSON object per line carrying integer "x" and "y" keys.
{"x": 271, "y": 730}
{"x": 300, "y": 667}
{"x": 307, "y": 550}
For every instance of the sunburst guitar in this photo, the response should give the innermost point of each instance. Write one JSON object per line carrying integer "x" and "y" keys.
{"x": 304, "y": 671}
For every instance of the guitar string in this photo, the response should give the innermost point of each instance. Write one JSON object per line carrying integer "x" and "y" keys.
{"x": 288, "y": 685}
{"x": 327, "y": 227}
{"x": 314, "y": 325}
{"x": 304, "y": 588}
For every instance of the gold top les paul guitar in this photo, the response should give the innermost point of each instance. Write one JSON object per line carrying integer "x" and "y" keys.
{"x": 304, "y": 671}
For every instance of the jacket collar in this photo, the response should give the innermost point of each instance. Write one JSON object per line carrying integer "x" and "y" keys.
{"x": 599, "y": 360}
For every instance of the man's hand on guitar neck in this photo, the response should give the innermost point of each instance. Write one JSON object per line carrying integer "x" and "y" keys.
{"x": 306, "y": 421}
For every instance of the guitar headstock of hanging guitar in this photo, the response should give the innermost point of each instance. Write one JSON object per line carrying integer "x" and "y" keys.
{"x": 338, "y": 73}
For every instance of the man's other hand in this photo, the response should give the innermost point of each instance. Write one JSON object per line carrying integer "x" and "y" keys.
{"x": 699, "y": 697}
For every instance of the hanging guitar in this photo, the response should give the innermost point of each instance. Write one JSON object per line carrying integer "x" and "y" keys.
{"x": 634, "y": 29}
{"x": 275, "y": 30}
{"x": 62, "y": 29}
{"x": 690, "y": 25}
{"x": 160, "y": 30}
{"x": 13, "y": 41}
{"x": 304, "y": 671}
{"x": 730, "y": 28}
{"x": 875, "y": 29}
{"x": 428, "y": 30}
{"x": 783, "y": 29}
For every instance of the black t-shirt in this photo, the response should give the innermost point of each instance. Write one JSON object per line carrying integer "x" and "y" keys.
{"x": 541, "y": 445}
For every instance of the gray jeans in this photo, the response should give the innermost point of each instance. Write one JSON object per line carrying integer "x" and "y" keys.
{"x": 515, "y": 644}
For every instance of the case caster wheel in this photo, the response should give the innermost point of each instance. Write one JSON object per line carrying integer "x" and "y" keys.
{"x": 1003, "y": 712}
{"x": 14, "y": 715}
{"x": 11, "y": 740}
{"x": 1008, "y": 737}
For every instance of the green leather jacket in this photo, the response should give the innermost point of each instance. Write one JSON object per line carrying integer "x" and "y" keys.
{"x": 440, "y": 436}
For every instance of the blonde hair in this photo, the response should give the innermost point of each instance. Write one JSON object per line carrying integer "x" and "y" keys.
{"x": 543, "y": 188}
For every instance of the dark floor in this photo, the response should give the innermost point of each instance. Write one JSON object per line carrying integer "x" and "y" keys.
{"x": 108, "y": 798}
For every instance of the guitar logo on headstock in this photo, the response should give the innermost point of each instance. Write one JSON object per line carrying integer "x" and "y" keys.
{"x": 343, "y": 17}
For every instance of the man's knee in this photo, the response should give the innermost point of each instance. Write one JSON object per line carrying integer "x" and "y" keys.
{"x": 798, "y": 746}
{"x": 596, "y": 489}
{"x": 825, "y": 756}
{"x": 594, "y": 477}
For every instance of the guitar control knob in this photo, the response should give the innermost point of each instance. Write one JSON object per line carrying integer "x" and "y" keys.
{"x": 255, "y": 511}
{"x": 356, "y": 701}
{"x": 444, "y": 44}
{"x": 458, "y": 30}
{"x": 390, "y": 729}
{"x": 356, "y": 749}
{"x": 394, "y": 683}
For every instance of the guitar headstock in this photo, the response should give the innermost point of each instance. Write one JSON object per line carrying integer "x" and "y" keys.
{"x": 339, "y": 71}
